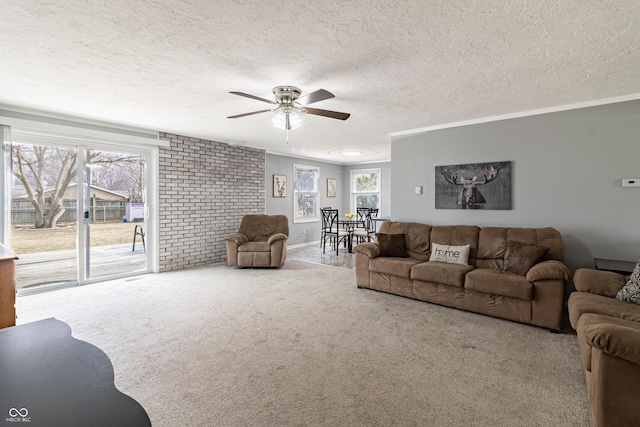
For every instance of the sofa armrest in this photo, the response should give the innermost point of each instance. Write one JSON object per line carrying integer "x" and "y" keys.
{"x": 275, "y": 237}
{"x": 369, "y": 249}
{"x": 548, "y": 270}
{"x": 617, "y": 340}
{"x": 237, "y": 238}
{"x": 599, "y": 282}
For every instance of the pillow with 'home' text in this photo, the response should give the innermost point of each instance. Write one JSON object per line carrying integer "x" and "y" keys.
{"x": 450, "y": 254}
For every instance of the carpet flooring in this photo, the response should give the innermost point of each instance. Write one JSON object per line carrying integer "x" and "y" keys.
{"x": 303, "y": 346}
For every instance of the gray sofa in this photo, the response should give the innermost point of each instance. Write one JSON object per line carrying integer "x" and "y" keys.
{"x": 487, "y": 285}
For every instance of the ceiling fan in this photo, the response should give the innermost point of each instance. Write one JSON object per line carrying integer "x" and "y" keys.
{"x": 289, "y": 104}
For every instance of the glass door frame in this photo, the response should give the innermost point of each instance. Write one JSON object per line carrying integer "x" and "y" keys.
{"x": 84, "y": 223}
{"x": 82, "y": 249}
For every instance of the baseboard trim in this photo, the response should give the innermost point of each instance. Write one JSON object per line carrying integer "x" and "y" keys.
{"x": 303, "y": 245}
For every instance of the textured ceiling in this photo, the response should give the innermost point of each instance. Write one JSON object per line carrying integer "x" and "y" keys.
{"x": 168, "y": 65}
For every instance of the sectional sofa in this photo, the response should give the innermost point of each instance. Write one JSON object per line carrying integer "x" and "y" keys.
{"x": 511, "y": 273}
{"x": 608, "y": 331}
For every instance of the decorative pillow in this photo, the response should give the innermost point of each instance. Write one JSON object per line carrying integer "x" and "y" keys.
{"x": 450, "y": 254}
{"x": 392, "y": 245}
{"x": 631, "y": 291}
{"x": 520, "y": 257}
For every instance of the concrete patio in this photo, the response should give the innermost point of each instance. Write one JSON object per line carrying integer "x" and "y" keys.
{"x": 60, "y": 267}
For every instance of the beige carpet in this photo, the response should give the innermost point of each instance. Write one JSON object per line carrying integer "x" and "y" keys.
{"x": 302, "y": 346}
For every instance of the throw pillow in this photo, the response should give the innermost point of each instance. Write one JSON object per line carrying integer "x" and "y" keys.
{"x": 450, "y": 254}
{"x": 392, "y": 245}
{"x": 631, "y": 291}
{"x": 520, "y": 257}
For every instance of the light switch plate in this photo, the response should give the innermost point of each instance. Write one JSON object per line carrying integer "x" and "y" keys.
{"x": 631, "y": 182}
{"x": 418, "y": 190}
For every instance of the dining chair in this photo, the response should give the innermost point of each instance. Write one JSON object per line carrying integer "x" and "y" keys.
{"x": 324, "y": 224}
{"x": 331, "y": 229}
{"x": 369, "y": 230}
{"x": 361, "y": 216}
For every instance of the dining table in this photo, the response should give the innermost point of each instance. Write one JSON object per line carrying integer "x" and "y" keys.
{"x": 349, "y": 225}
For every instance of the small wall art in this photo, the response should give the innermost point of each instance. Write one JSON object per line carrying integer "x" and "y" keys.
{"x": 473, "y": 186}
{"x": 332, "y": 187}
{"x": 279, "y": 186}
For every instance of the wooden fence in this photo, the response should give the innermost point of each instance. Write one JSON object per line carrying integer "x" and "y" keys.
{"x": 23, "y": 212}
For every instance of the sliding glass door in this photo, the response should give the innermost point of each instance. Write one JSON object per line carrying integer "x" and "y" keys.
{"x": 78, "y": 213}
{"x": 114, "y": 213}
{"x": 43, "y": 214}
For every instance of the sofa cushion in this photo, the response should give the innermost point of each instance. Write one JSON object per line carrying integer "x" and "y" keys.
{"x": 437, "y": 272}
{"x": 450, "y": 254}
{"x": 548, "y": 270}
{"x": 616, "y": 337}
{"x": 393, "y": 266}
{"x": 631, "y": 291}
{"x": 255, "y": 247}
{"x": 492, "y": 244}
{"x": 237, "y": 238}
{"x": 416, "y": 235}
{"x": 520, "y": 257}
{"x": 392, "y": 245}
{"x": 498, "y": 282}
{"x": 585, "y": 302}
{"x": 600, "y": 282}
{"x": 458, "y": 235}
{"x": 258, "y": 228}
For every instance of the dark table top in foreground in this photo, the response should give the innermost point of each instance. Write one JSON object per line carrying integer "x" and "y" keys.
{"x": 48, "y": 378}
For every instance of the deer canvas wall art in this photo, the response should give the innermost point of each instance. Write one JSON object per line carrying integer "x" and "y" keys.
{"x": 473, "y": 186}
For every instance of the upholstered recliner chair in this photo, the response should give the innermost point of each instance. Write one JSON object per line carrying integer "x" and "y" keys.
{"x": 260, "y": 242}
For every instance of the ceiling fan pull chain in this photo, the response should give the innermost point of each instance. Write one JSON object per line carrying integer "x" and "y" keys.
{"x": 287, "y": 135}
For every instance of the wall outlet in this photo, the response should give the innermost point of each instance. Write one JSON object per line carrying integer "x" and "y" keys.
{"x": 631, "y": 182}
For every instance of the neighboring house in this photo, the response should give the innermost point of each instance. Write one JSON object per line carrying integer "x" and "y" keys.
{"x": 97, "y": 193}
{"x": 105, "y": 204}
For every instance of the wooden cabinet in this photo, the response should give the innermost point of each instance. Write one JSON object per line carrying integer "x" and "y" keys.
{"x": 7, "y": 288}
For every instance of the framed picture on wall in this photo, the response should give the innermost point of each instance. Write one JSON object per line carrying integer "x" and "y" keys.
{"x": 279, "y": 186}
{"x": 332, "y": 187}
{"x": 473, "y": 186}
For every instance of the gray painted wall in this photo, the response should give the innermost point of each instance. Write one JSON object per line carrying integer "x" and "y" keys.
{"x": 567, "y": 173}
{"x": 310, "y": 231}
{"x": 283, "y": 165}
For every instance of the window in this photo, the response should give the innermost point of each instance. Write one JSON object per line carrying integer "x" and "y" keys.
{"x": 305, "y": 193}
{"x": 365, "y": 188}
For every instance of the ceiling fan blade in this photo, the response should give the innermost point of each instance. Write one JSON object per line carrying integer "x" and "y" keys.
{"x": 253, "y": 97}
{"x": 247, "y": 114}
{"x": 328, "y": 113}
{"x": 318, "y": 95}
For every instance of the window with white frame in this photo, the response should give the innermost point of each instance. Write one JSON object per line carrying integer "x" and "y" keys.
{"x": 305, "y": 193}
{"x": 365, "y": 188}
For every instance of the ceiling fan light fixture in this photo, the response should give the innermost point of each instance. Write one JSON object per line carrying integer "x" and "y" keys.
{"x": 295, "y": 120}
{"x": 289, "y": 104}
{"x": 280, "y": 120}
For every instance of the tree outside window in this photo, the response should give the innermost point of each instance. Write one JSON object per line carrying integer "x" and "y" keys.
{"x": 306, "y": 196}
{"x": 365, "y": 188}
